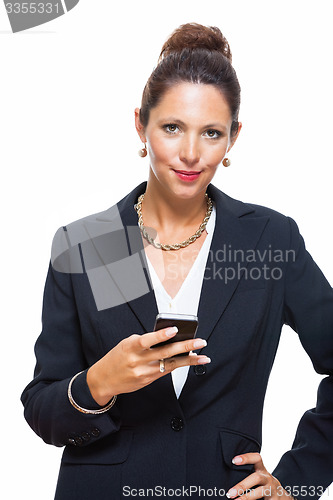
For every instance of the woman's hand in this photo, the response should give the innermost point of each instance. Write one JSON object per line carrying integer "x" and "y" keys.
{"x": 263, "y": 483}
{"x": 132, "y": 364}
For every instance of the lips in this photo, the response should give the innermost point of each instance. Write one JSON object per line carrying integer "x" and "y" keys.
{"x": 187, "y": 175}
{"x": 186, "y": 172}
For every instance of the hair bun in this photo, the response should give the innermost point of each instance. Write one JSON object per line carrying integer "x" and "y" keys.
{"x": 196, "y": 36}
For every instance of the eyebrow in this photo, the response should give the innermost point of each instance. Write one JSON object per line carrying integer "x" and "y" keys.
{"x": 172, "y": 119}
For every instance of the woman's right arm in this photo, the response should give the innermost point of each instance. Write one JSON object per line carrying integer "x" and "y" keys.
{"x": 59, "y": 356}
{"x": 129, "y": 366}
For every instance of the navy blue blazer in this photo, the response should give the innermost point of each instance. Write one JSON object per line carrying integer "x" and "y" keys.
{"x": 98, "y": 291}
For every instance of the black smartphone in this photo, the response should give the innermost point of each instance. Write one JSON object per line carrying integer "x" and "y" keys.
{"x": 187, "y": 325}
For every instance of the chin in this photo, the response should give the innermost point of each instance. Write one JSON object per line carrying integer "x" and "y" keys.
{"x": 188, "y": 192}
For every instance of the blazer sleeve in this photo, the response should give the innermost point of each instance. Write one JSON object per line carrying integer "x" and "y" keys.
{"x": 59, "y": 356}
{"x": 307, "y": 469}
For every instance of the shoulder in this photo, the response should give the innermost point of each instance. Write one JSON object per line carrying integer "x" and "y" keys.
{"x": 276, "y": 218}
{"x": 281, "y": 227}
{"x": 68, "y": 239}
{"x": 242, "y": 209}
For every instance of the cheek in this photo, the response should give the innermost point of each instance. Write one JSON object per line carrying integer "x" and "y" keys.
{"x": 214, "y": 156}
{"x": 162, "y": 150}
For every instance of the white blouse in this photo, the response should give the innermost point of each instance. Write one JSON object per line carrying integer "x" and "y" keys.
{"x": 187, "y": 299}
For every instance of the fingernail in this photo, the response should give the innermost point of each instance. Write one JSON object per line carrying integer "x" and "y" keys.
{"x": 171, "y": 331}
{"x": 199, "y": 343}
{"x": 232, "y": 493}
{"x": 204, "y": 360}
{"x": 237, "y": 460}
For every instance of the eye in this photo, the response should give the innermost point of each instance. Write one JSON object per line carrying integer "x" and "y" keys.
{"x": 171, "y": 128}
{"x": 213, "y": 134}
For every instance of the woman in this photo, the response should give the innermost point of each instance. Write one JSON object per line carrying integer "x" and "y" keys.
{"x": 141, "y": 421}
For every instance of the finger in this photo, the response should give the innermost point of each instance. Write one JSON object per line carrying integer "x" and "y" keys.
{"x": 152, "y": 338}
{"x": 251, "y": 494}
{"x": 171, "y": 364}
{"x": 174, "y": 348}
{"x": 250, "y": 458}
{"x": 251, "y": 481}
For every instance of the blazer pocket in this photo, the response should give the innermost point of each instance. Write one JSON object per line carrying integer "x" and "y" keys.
{"x": 113, "y": 449}
{"x": 233, "y": 443}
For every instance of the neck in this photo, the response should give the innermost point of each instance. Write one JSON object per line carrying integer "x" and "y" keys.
{"x": 166, "y": 211}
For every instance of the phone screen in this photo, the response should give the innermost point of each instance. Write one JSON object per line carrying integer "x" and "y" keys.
{"x": 187, "y": 327}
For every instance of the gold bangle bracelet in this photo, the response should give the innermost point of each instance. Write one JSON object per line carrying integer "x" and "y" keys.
{"x": 85, "y": 410}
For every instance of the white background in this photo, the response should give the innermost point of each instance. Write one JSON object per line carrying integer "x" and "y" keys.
{"x": 69, "y": 148}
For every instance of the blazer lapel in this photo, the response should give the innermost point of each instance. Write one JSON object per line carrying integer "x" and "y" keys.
{"x": 106, "y": 232}
{"x": 235, "y": 229}
{"x": 145, "y": 307}
{"x": 225, "y": 266}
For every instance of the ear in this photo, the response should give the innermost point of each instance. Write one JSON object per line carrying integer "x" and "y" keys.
{"x": 235, "y": 136}
{"x": 138, "y": 125}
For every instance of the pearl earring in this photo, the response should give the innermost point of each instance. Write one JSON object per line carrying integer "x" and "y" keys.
{"x": 143, "y": 152}
{"x": 226, "y": 162}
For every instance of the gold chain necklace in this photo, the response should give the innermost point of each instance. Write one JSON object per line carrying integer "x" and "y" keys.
{"x": 176, "y": 246}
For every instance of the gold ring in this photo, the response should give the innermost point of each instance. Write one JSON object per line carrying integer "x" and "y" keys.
{"x": 162, "y": 366}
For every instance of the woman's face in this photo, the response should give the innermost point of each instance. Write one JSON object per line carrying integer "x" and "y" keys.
{"x": 188, "y": 135}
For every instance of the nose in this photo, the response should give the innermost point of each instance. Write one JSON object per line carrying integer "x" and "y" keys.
{"x": 189, "y": 150}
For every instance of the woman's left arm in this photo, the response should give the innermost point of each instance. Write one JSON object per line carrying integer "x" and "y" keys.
{"x": 305, "y": 471}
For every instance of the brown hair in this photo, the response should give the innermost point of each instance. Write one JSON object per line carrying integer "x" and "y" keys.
{"x": 197, "y": 54}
